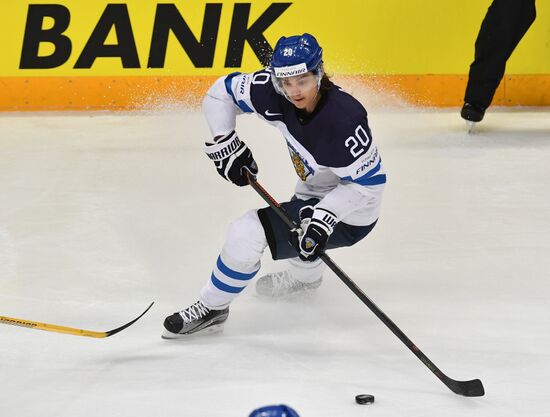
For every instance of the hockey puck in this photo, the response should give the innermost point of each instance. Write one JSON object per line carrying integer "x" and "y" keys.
{"x": 364, "y": 399}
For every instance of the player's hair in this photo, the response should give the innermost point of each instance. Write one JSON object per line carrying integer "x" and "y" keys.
{"x": 326, "y": 84}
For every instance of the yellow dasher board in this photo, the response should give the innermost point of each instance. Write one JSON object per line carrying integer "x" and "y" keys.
{"x": 193, "y": 41}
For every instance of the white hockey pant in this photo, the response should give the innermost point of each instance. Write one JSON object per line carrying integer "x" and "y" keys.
{"x": 239, "y": 262}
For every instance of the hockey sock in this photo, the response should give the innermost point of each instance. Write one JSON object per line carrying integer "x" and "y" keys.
{"x": 238, "y": 263}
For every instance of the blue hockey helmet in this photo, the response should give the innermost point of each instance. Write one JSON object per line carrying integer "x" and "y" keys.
{"x": 294, "y": 56}
{"x": 296, "y": 50}
{"x": 274, "y": 411}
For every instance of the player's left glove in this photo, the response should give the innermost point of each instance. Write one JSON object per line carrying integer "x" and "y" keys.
{"x": 317, "y": 224}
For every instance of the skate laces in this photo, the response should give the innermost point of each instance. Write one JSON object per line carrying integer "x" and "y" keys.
{"x": 194, "y": 312}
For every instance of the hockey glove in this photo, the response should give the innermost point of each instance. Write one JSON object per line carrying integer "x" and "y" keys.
{"x": 317, "y": 224}
{"x": 231, "y": 155}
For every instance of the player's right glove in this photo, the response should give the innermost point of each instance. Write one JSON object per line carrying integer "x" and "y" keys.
{"x": 316, "y": 226}
{"x": 231, "y": 156}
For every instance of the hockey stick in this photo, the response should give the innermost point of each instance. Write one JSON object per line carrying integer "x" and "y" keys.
{"x": 472, "y": 388}
{"x": 68, "y": 330}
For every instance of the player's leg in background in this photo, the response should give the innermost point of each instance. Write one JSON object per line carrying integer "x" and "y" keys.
{"x": 502, "y": 28}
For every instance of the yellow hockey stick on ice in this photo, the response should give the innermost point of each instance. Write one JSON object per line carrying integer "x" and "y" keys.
{"x": 68, "y": 330}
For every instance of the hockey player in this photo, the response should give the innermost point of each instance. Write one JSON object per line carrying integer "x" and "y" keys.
{"x": 337, "y": 197}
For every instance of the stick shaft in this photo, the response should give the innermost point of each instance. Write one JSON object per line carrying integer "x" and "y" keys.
{"x": 67, "y": 330}
{"x": 467, "y": 388}
{"x": 50, "y": 327}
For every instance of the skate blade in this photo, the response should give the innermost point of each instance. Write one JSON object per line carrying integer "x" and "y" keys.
{"x": 216, "y": 328}
{"x": 471, "y": 127}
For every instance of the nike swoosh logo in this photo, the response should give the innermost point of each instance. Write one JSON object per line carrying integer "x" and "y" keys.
{"x": 268, "y": 113}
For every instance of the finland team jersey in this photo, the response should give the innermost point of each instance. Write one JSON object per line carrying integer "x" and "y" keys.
{"x": 331, "y": 149}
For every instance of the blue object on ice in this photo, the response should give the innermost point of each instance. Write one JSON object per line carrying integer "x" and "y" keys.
{"x": 274, "y": 411}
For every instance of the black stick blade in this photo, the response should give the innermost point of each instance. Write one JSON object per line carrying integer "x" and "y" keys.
{"x": 121, "y": 328}
{"x": 472, "y": 388}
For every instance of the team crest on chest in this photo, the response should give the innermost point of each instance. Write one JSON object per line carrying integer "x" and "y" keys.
{"x": 300, "y": 166}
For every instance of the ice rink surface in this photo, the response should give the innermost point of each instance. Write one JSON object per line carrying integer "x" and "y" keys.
{"x": 103, "y": 213}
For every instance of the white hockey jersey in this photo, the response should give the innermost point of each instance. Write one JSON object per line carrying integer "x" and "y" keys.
{"x": 332, "y": 149}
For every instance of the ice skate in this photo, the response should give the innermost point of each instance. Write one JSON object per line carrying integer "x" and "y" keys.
{"x": 282, "y": 285}
{"x": 194, "y": 319}
{"x": 472, "y": 114}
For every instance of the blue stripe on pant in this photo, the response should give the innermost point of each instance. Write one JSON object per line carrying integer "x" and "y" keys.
{"x": 230, "y": 276}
